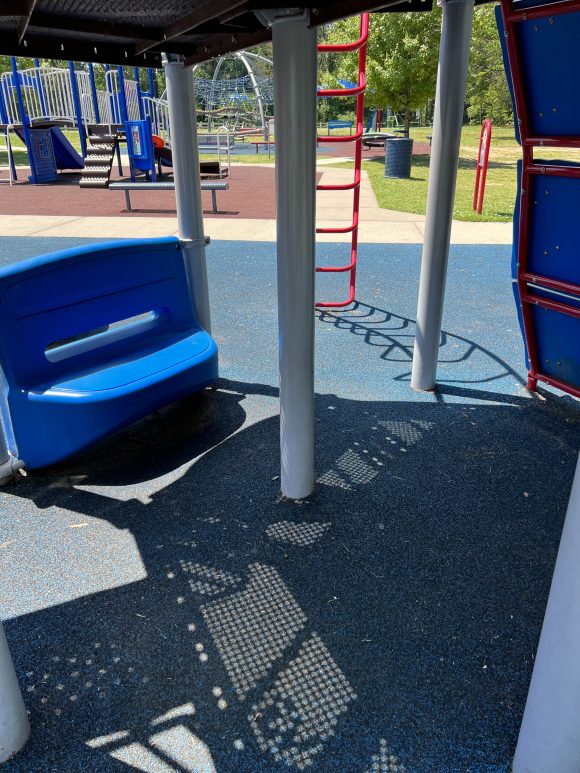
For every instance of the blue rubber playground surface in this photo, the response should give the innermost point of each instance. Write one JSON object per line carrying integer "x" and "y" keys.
{"x": 168, "y": 612}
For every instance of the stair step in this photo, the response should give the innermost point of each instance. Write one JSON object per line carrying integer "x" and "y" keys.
{"x": 99, "y": 153}
{"x": 101, "y": 128}
{"x": 98, "y": 161}
{"x": 96, "y": 171}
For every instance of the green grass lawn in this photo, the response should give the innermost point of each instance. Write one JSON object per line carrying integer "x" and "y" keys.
{"x": 20, "y": 157}
{"x": 411, "y": 195}
{"x": 500, "y": 188}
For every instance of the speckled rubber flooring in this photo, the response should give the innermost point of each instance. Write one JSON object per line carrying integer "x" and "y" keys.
{"x": 169, "y": 613}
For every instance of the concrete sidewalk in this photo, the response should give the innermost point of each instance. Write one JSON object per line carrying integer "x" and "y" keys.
{"x": 334, "y": 210}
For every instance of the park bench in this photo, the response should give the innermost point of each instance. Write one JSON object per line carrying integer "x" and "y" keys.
{"x": 259, "y": 143}
{"x": 128, "y": 186}
{"x": 336, "y": 124}
{"x": 95, "y": 338}
{"x": 210, "y": 142}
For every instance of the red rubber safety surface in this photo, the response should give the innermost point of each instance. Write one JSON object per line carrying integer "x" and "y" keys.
{"x": 251, "y": 195}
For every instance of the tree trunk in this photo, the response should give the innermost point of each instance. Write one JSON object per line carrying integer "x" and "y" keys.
{"x": 407, "y": 124}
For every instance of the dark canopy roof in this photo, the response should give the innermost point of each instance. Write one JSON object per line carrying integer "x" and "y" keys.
{"x": 137, "y": 31}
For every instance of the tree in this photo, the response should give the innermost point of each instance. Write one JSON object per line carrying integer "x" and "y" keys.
{"x": 487, "y": 90}
{"x": 402, "y": 55}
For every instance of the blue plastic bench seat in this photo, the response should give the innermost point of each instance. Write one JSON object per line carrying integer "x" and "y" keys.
{"x": 94, "y": 339}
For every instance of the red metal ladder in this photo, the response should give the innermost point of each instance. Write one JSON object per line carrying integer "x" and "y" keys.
{"x": 359, "y": 45}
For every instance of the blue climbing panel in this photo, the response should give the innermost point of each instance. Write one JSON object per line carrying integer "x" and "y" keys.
{"x": 541, "y": 57}
{"x": 95, "y": 338}
{"x": 550, "y": 54}
{"x": 42, "y": 158}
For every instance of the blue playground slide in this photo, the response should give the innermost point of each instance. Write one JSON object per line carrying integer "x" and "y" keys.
{"x": 370, "y": 122}
{"x": 65, "y": 155}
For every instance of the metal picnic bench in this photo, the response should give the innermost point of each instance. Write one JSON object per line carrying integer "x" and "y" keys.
{"x": 206, "y": 185}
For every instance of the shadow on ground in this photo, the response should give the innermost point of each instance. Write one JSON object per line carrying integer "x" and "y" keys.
{"x": 387, "y": 623}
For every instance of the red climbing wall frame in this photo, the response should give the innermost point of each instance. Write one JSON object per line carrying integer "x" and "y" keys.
{"x": 541, "y": 42}
{"x": 357, "y": 91}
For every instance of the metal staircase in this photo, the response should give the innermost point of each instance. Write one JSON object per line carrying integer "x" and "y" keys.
{"x": 359, "y": 45}
{"x": 99, "y": 160}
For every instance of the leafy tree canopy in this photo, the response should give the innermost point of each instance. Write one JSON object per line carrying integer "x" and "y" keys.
{"x": 487, "y": 90}
{"x": 402, "y": 55}
{"x": 402, "y": 58}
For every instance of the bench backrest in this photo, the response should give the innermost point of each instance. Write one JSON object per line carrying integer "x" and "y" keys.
{"x": 74, "y": 310}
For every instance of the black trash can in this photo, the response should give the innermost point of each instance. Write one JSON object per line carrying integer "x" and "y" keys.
{"x": 398, "y": 154}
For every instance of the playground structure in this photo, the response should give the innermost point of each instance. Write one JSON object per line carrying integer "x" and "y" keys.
{"x": 236, "y": 103}
{"x": 38, "y": 102}
{"x": 295, "y": 77}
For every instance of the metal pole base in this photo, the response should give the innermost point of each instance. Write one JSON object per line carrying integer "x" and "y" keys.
{"x": 8, "y": 469}
{"x": 14, "y": 724}
{"x": 181, "y": 105}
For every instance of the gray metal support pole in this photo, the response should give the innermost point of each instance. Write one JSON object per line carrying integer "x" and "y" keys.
{"x": 550, "y": 733}
{"x": 8, "y": 463}
{"x": 294, "y": 46}
{"x": 447, "y": 121}
{"x": 180, "y": 99}
{"x": 5, "y": 459}
{"x": 14, "y": 724}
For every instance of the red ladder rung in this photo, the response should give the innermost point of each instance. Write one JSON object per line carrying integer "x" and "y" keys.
{"x": 344, "y": 92}
{"x": 332, "y": 139}
{"x": 338, "y": 48}
{"x": 337, "y": 269}
{"x": 341, "y": 187}
{"x": 552, "y": 284}
{"x": 345, "y": 230}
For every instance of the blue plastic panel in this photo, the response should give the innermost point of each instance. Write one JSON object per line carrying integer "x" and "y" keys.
{"x": 106, "y": 377}
{"x": 550, "y": 58}
{"x": 41, "y": 155}
{"x": 558, "y": 344}
{"x": 140, "y": 146}
{"x": 554, "y": 227}
{"x": 64, "y": 294}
